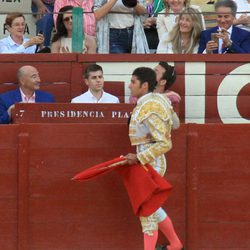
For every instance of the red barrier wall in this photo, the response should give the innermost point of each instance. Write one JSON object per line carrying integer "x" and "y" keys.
{"x": 8, "y": 186}
{"x": 41, "y": 208}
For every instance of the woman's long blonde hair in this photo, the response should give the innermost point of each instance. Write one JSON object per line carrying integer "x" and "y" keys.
{"x": 175, "y": 34}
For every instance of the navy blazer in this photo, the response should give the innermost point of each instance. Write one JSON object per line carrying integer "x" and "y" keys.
{"x": 14, "y": 96}
{"x": 239, "y": 37}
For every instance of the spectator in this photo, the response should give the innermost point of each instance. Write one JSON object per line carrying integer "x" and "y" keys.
{"x": 184, "y": 37}
{"x": 16, "y": 42}
{"x": 227, "y": 37}
{"x": 94, "y": 80}
{"x": 169, "y": 16}
{"x": 149, "y": 24}
{"x": 88, "y": 19}
{"x": 166, "y": 77}
{"x": 120, "y": 32}
{"x": 43, "y": 11}
{"x": 27, "y": 92}
{"x": 242, "y": 19}
{"x": 62, "y": 40}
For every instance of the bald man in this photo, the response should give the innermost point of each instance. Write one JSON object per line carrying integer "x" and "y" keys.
{"x": 27, "y": 92}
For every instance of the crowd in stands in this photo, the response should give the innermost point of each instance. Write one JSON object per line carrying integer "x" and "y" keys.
{"x": 131, "y": 26}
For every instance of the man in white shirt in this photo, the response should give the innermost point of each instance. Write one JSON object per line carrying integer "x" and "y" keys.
{"x": 94, "y": 79}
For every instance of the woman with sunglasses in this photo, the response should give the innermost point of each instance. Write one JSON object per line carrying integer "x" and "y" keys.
{"x": 89, "y": 22}
{"x": 62, "y": 40}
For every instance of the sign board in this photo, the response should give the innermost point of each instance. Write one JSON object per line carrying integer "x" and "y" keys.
{"x": 71, "y": 113}
{"x": 15, "y": 5}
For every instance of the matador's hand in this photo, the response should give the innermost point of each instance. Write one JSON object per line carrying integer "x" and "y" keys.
{"x": 131, "y": 158}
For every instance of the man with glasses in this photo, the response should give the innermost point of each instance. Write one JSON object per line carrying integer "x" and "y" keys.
{"x": 16, "y": 42}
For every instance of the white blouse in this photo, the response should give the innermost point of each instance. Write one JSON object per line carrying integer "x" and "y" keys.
{"x": 165, "y": 47}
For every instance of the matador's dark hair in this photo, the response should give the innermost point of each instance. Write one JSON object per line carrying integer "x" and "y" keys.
{"x": 145, "y": 74}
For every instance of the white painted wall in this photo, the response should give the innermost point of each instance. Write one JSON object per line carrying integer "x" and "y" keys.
{"x": 195, "y": 88}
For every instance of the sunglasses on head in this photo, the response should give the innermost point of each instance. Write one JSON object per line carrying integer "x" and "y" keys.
{"x": 66, "y": 19}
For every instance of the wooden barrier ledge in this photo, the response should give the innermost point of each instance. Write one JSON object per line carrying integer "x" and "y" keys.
{"x": 41, "y": 208}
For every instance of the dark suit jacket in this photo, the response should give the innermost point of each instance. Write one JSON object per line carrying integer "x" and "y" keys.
{"x": 14, "y": 96}
{"x": 239, "y": 37}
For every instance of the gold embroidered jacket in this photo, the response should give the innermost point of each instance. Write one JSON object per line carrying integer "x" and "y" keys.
{"x": 150, "y": 129}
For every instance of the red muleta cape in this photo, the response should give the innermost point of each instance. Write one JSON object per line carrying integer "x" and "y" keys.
{"x": 147, "y": 190}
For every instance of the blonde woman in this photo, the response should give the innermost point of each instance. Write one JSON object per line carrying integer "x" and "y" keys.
{"x": 168, "y": 17}
{"x": 184, "y": 37}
